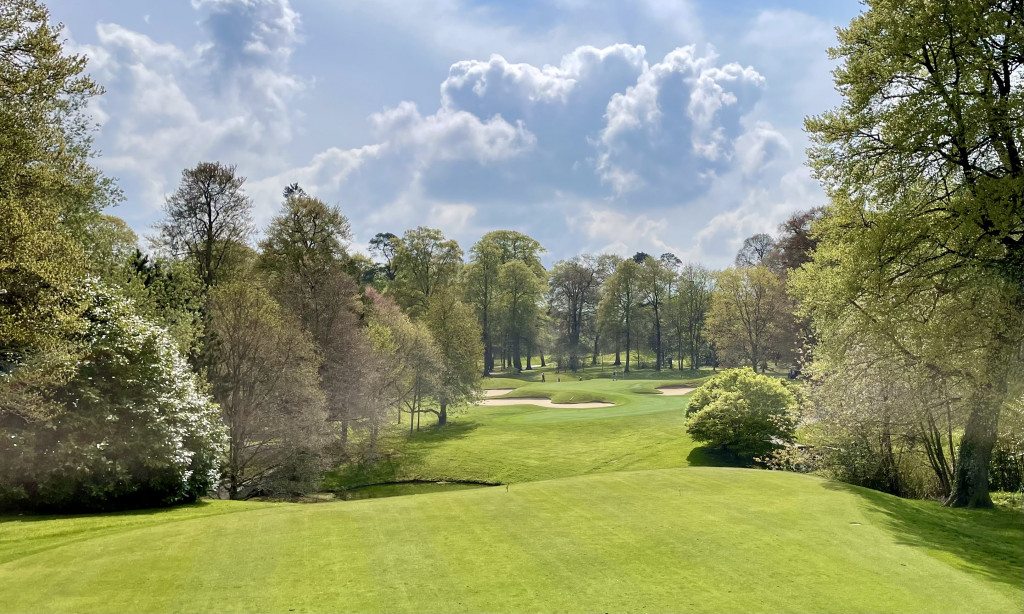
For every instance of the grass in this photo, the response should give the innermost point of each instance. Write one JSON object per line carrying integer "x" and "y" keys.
{"x": 608, "y": 509}
{"x": 688, "y": 540}
{"x": 525, "y": 443}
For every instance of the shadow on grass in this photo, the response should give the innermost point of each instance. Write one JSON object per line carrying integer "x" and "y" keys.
{"x": 398, "y": 464}
{"x": 704, "y": 456}
{"x": 988, "y": 542}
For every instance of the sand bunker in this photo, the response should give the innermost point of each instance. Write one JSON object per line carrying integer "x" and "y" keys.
{"x": 675, "y": 391}
{"x": 497, "y": 392}
{"x": 540, "y": 402}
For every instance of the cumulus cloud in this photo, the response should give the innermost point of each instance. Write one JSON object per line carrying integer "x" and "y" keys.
{"x": 683, "y": 111}
{"x": 600, "y": 147}
{"x": 451, "y": 135}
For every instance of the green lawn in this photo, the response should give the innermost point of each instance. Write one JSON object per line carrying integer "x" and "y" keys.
{"x": 526, "y": 443}
{"x": 689, "y": 540}
{"x": 606, "y": 511}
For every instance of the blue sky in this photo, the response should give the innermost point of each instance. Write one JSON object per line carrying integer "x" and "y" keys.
{"x": 602, "y": 126}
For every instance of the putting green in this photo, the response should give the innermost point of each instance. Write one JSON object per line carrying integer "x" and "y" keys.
{"x": 688, "y": 540}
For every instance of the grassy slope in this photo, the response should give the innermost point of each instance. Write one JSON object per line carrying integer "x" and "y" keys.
{"x": 528, "y": 443}
{"x": 693, "y": 539}
{"x": 688, "y": 539}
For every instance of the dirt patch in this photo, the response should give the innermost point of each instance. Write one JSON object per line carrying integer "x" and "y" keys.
{"x": 540, "y": 402}
{"x": 497, "y": 392}
{"x": 675, "y": 391}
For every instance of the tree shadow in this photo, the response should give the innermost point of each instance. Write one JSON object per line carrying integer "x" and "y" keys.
{"x": 399, "y": 464}
{"x": 987, "y": 542}
{"x": 705, "y": 456}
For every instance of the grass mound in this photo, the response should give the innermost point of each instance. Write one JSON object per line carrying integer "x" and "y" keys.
{"x": 692, "y": 539}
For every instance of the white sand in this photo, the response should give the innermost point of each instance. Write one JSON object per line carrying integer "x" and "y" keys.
{"x": 497, "y": 392}
{"x": 540, "y": 402}
{"x": 675, "y": 391}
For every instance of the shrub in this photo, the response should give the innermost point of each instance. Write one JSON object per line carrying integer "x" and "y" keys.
{"x": 127, "y": 425}
{"x": 1006, "y": 469}
{"x": 743, "y": 412}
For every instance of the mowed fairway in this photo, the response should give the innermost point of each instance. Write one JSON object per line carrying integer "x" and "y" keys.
{"x": 691, "y": 539}
{"x": 605, "y": 512}
{"x": 523, "y": 443}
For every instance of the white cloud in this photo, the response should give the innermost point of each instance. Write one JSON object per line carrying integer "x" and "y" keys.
{"x": 451, "y": 135}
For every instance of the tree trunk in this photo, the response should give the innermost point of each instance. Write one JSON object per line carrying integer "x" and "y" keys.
{"x": 970, "y": 476}
{"x": 442, "y": 416}
{"x": 657, "y": 335}
{"x": 626, "y": 370}
{"x": 344, "y": 433}
{"x": 542, "y": 363}
{"x": 517, "y": 359}
{"x": 593, "y": 360}
{"x": 618, "y": 358}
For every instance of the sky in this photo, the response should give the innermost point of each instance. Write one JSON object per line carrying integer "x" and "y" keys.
{"x": 593, "y": 127}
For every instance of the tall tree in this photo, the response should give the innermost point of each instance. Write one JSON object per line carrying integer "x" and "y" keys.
{"x": 304, "y": 256}
{"x": 754, "y": 250}
{"x": 487, "y": 256}
{"x": 696, "y": 286}
{"x": 573, "y": 292}
{"x": 48, "y": 190}
{"x": 457, "y": 337}
{"x": 265, "y": 380}
{"x": 922, "y": 162}
{"x": 624, "y": 295}
{"x": 745, "y": 310}
{"x": 207, "y": 218}
{"x": 384, "y": 245}
{"x": 520, "y": 293}
{"x": 425, "y": 261}
{"x": 655, "y": 287}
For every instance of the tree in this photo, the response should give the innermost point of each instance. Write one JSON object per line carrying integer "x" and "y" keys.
{"x": 206, "y": 219}
{"x": 304, "y": 256}
{"x": 623, "y": 295}
{"x": 385, "y": 245}
{"x": 696, "y": 286}
{"x": 754, "y": 250}
{"x": 745, "y": 310}
{"x": 487, "y": 256}
{"x": 456, "y": 334}
{"x": 49, "y": 192}
{"x": 519, "y": 290}
{"x": 425, "y": 262}
{"x": 795, "y": 243}
{"x": 744, "y": 412}
{"x": 122, "y": 424}
{"x": 265, "y": 379}
{"x": 656, "y": 286}
{"x": 922, "y": 164}
{"x": 412, "y": 378}
{"x": 573, "y": 294}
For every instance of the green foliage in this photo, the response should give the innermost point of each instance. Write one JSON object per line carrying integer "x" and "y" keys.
{"x": 921, "y": 252}
{"x": 49, "y": 192}
{"x": 265, "y": 377}
{"x": 123, "y": 424}
{"x": 1006, "y": 471}
{"x": 748, "y": 311}
{"x": 425, "y": 261}
{"x": 744, "y": 412}
{"x": 456, "y": 334}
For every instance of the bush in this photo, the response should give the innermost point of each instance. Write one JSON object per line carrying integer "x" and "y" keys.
{"x": 127, "y": 425}
{"x": 1006, "y": 469}
{"x": 743, "y": 412}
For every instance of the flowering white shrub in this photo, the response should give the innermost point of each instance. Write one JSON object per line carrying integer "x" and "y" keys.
{"x": 127, "y": 425}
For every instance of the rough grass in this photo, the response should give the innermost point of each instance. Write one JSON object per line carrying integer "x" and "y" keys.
{"x": 687, "y": 540}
